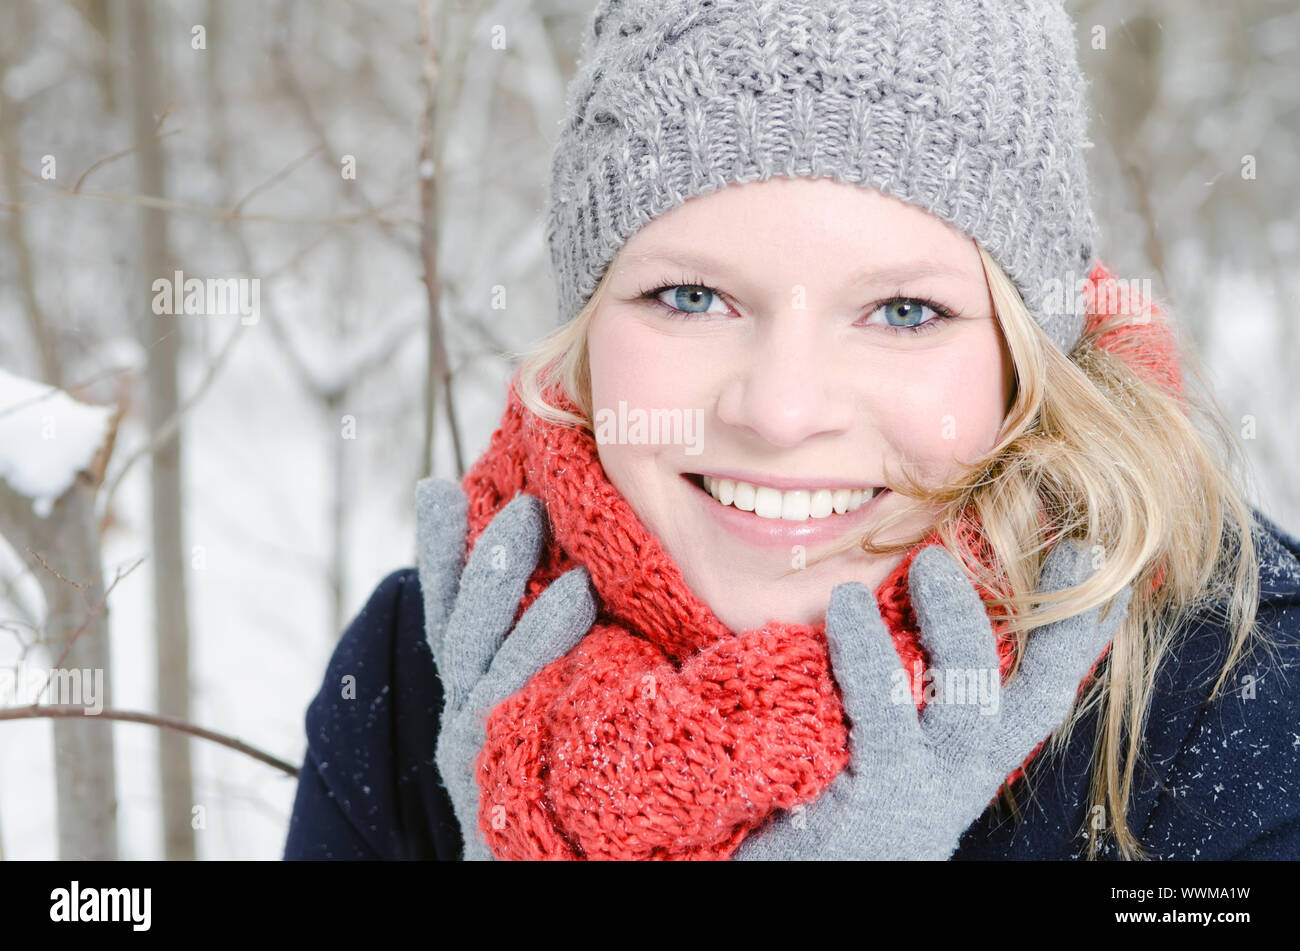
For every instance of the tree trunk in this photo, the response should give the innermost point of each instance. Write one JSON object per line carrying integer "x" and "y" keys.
{"x": 437, "y": 366}
{"x": 42, "y": 334}
{"x": 339, "y": 498}
{"x": 68, "y": 542}
{"x": 161, "y": 336}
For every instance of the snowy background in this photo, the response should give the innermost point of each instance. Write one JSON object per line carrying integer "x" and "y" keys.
{"x": 1196, "y": 175}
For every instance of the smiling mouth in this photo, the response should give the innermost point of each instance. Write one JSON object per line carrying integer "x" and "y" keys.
{"x": 791, "y": 505}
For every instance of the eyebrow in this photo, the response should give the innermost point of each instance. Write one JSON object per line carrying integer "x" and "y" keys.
{"x": 871, "y": 274}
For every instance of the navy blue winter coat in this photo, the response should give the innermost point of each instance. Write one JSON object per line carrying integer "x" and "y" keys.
{"x": 1220, "y": 780}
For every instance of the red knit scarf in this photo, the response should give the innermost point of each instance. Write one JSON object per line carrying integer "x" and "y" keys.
{"x": 663, "y": 735}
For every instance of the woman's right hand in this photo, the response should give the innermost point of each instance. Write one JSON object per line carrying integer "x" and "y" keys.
{"x": 913, "y": 786}
{"x": 468, "y": 616}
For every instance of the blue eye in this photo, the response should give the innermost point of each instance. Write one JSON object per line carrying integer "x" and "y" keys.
{"x": 908, "y": 314}
{"x": 690, "y": 298}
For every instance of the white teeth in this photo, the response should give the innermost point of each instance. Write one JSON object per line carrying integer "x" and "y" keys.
{"x": 797, "y": 505}
{"x": 767, "y": 502}
{"x": 840, "y": 500}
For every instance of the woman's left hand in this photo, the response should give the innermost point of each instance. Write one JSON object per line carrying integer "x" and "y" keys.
{"x": 913, "y": 786}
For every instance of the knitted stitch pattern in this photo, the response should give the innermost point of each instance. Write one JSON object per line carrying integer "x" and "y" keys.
{"x": 974, "y": 111}
{"x": 663, "y": 735}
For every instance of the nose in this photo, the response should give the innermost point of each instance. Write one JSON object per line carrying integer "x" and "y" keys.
{"x": 788, "y": 388}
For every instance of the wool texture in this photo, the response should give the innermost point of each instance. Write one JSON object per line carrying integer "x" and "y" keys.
{"x": 663, "y": 735}
{"x": 973, "y": 111}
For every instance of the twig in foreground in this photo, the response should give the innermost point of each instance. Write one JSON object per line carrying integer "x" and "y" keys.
{"x": 70, "y": 710}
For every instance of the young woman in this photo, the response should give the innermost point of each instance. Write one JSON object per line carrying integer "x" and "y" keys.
{"x": 852, "y": 505}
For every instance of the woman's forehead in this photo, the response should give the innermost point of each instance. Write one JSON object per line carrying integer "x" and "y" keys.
{"x": 848, "y": 234}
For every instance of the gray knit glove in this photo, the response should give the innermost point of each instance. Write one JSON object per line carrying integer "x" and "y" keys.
{"x": 467, "y": 617}
{"x": 914, "y": 784}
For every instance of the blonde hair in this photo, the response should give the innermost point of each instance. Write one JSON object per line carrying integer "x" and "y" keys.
{"x": 1091, "y": 449}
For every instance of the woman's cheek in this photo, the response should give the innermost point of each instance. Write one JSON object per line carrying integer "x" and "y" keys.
{"x": 632, "y": 361}
{"x": 636, "y": 372}
{"x": 978, "y": 386}
{"x": 917, "y": 437}
{"x": 948, "y": 416}
{"x": 616, "y": 372}
{"x": 961, "y": 413}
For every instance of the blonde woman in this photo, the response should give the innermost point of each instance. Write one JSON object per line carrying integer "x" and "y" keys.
{"x": 854, "y": 510}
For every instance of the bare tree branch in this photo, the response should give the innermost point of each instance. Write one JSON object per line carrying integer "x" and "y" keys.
{"x": 93, "y": 611}
{"x": 220, "y": 214}
{"x": 276, "y": 178}
{"x": 158, "y": 136}
{"x": 173, "y": 422}
{"x": 65, "y": 711}
{"x": 283, "y": 60}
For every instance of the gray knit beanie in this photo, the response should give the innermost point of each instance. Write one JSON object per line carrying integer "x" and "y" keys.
{"x": 971, "y": 109}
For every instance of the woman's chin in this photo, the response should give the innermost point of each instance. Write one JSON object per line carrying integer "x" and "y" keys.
{"x": 745, "y": 602}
